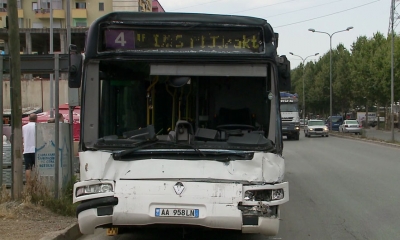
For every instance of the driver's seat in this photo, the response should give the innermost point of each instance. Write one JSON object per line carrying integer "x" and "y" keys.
{"x": 234, "y": 116}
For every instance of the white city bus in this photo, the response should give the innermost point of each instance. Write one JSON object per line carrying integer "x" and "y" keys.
{"x": 180, "y": 123}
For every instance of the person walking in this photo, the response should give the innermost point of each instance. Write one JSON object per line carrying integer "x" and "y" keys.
{"x": 29, "y": 139}
{"x": 60, "y": 119}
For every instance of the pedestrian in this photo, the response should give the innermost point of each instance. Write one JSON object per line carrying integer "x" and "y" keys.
{"x": 60, "y": 118}
{"x": 29, "y": 139}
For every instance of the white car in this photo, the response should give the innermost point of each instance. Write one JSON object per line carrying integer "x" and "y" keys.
{"x": 350, "y": 126}
{"x": 316, "y": 128}
{"x": 303, "y": 122}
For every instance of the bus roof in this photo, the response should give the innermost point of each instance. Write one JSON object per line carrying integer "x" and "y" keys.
{"x": 180, "y": 17}
{"x": 146, "y": 19}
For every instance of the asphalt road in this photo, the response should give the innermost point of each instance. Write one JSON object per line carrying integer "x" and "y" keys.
{"x": 339, "y": 189}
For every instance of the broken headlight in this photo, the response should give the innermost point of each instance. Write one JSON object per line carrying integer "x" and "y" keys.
{"x": 93, "y": 189}
{"x": 277, "y": 194}
{"x": 264, "y": 195}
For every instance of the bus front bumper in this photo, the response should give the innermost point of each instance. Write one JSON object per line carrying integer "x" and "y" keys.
{"x": 223, "y": 208}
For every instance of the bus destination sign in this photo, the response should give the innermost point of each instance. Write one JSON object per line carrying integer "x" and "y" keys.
{"x": 214, "y": 41}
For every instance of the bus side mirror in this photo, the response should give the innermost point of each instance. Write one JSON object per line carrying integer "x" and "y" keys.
{"x": 284, "y": 81}
{"x": 75, "y": 67}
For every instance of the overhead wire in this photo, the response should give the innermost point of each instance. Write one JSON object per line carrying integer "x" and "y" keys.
{"x": 263, "y": 6}
{"x": 289, "y": 24}
{"x": 200, "y": 4}
{"x": 327, "y": 15}
{"x": 298, "y": 10}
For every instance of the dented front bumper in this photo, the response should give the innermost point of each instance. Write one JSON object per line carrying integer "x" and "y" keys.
{"x": 208, "y": 204}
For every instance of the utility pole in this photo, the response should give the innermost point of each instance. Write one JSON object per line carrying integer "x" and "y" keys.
{"x": 392, "y": 73}
{"x": 15, "y": 92}
{"x": 51, "y": 52}
{"x": 1, "y": 123}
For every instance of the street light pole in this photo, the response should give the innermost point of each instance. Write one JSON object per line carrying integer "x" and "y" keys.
{"x": 330, "y": 68}
{"x": 302, "y": 76}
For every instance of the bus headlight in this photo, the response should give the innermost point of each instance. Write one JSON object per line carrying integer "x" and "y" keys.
{"x": 264, "y": 195}
{"x": 277, "y": 194}
{"x": 93, "y": 189}
{"x": 249, "y": 196}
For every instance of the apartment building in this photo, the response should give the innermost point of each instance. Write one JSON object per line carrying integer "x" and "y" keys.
{"x": 34, "y": 21}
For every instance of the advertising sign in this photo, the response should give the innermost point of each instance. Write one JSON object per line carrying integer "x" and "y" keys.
{"x": 45, "y": 153}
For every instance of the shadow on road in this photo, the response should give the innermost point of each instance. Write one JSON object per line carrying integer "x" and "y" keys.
{"x": 184, "y": 233}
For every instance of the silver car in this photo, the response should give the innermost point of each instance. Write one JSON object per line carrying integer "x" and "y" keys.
{"x": 316, "y": 128}
{"x": 350, "y": 126}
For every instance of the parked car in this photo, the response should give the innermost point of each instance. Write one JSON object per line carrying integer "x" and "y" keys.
{"x": 303, "y": 122}
{"x": 350, "y": 126}
{"x": 336, "y": 122}
{"x": 316, "y": 127}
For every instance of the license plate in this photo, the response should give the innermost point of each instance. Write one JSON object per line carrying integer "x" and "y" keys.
{"x": 177, "y": 212}
{"x": 284, "y": 127}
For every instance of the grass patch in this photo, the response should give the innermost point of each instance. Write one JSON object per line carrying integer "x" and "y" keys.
{"x": 393, "y": 142}
{"x": 38, "y": 193}
{"x": 363, "y": 133}
{"x": 5, "y": 194}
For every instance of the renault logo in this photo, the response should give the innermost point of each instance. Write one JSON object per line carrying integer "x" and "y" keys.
{"x": 178, "y": 187}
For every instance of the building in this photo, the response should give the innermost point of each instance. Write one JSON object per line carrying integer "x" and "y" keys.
{"x": 157, "y": 6}
{"x": 34, "y": 21}
{"x": 34, "y": 28}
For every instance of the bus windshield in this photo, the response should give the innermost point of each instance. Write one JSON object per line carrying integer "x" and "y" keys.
{"x": 131, "y": 98}
{"x": 208, "y": 79}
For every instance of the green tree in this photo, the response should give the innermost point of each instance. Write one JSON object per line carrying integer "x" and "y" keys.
{"x": 342, "y": 83}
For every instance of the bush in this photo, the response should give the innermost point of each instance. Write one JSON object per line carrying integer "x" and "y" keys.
{"x": 5, "y": 195}
{"x": 38, "y": 193}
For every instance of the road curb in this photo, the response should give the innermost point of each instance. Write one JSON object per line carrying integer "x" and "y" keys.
{"x": 380, "y": 142}
{"x": 70, "y": 233}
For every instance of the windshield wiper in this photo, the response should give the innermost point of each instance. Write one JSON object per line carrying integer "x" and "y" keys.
{"x": 118, "y": 155}
{"x": 186, "y": 145}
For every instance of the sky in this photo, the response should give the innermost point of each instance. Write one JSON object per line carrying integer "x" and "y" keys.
{"x": 292, "y": 19}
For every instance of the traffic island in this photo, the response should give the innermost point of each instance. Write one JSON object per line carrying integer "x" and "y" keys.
{"x": 363, "y": 137}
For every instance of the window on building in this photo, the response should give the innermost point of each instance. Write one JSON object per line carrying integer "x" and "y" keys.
{"x": 45, "y": 4}
{"x": 35, "y": 6}
{"x": 80, "y": 5}
{"x": 3, "y": 6}
{"x": 80, "y": 22}
{"x": 57, "y": 4}
{"x": 101, "y": 6}
{"x": 20, "y": 23}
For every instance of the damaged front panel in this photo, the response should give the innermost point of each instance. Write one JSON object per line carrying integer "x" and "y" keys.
{"x": 263, "y": 168}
